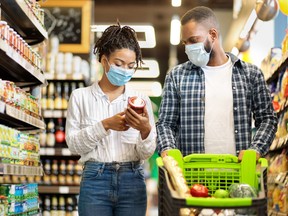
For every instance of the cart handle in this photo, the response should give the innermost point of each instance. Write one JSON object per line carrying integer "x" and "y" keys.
{"x": 215, "y": 158}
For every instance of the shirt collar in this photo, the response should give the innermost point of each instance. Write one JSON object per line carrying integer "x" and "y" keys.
{"x": 97, "y": 91}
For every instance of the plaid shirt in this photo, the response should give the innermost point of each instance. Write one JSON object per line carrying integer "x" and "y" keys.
{"x": 181, "y": 114}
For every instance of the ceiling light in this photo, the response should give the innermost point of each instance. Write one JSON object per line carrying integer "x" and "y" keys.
{"x": 175, "y": 30}
{"x": 248, "y": 25}
{"x": 148, "y": 30}
{"x": 150, "y": 69}
{"x": 176, "y": 3}
{"x": 237, "y": 5}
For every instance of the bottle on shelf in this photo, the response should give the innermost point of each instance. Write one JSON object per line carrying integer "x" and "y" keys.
{"x": 81, "y": 85}
{"x": 50, "y": 96}
{"x": 54, "y": 172}
{"x": 65, "y": 96}
{"x": 47, "y": 172}
{"x": 54, "y": 206}
{"x": 75, "y": 207}
{"x": 62, "y": 172}
{"x": 47, "y": 206}
{"x": 50, "y": 137}
{"x": 72, "y": 87}
{"x": 58, "y": 96}
{"x": 77, "y": 173}
{"x": 42, "y": 138}
{"x": 59, "y": 133}
{"x": 44, "y": 98}
{"x": 61, "y": 207}
{"x": 70, "y": 172}
{"x": 69, "y": 206}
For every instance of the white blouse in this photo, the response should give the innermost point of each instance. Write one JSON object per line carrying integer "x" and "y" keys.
{"x": 86, "y": 136}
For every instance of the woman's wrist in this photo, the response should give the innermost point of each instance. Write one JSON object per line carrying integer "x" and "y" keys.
{"x": 145, "y": 132}
{"x": 105, "y": 124}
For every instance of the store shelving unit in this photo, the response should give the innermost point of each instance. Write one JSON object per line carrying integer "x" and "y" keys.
{"x": 13, "y": 169}
{"x": 57, "y": 152}
{"x": 18, "y": 119}
{"x": 24, "y": 22}
{"x": 276, "y": 180}
{"x": 278, "y": 68}
{"x": 15, "y": 68}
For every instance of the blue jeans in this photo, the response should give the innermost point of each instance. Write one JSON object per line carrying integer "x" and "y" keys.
{"x": 116, "y": 189}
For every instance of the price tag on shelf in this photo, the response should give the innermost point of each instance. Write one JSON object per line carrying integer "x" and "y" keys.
{"x": 2, "y": 107}
{"x": 61, "y": 76}
{"x": 63, "y": 190}
{"x": 57, "y": 114}
{"x": 66, "y": 152}
{"x": 9, "y": 51}
{"x": 3, "y": 45}
{"x": 50, "y": 151}
{"x": 48, "y": 113}
{"x": 77, "y": 76}
{"x": 42, "y": 151}
{"x": 49, "y": 76}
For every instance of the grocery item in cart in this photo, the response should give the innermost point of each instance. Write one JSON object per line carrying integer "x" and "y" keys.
{"x": 215, "y": 171}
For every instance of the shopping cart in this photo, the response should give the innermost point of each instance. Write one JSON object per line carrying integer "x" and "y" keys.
{"x": 215, "y": 171}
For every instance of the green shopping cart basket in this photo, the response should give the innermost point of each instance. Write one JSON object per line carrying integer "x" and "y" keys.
{"x": 215, "y": 171}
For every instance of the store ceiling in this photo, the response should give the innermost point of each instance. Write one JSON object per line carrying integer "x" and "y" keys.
{"x": 157, "y": 13}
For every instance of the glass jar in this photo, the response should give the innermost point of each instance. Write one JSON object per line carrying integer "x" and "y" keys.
{"x": 3, "y": 30}
{"x": 11, "y": 36}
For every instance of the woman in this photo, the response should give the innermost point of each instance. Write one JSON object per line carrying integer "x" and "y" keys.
{"x": 111, "y": 138}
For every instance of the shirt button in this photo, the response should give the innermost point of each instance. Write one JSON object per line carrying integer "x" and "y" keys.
{"x": 236, "y": 131}
{"x": 235, "y": 108}
{"x": 234, "y": 87}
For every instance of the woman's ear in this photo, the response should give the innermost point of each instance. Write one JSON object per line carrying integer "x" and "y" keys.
{"x": 103, "y": 62}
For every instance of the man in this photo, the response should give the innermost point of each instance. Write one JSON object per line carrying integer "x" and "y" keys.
{"x": 208, "y": 102}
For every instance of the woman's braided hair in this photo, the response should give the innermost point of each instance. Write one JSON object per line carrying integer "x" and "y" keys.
{"x": 117, "y": 37}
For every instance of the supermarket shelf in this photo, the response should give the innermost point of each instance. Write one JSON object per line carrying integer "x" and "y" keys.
{"x": 55, "y": 152}
{"x": 15, "y": 118}
{"x": 281, "y": 144}
{"x": 281, "y": 66}
{"x": 279, "y": 179}
{"x": 72, "y": 77}
{"x": 13, "y": 169}
{"x": 50, "y": 189}
{"x": 54, "y": 113}
{"x": 17, "y": 69}
{"x": 25, "y": 22}
{"x": 67, "y": 78}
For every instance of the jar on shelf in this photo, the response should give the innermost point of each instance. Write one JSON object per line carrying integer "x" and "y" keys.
{"x": 3, "y": 30}
{"x": 11, "y": 36}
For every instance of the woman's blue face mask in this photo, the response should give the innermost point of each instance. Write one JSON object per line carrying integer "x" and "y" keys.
{"x": 119, "y": 76}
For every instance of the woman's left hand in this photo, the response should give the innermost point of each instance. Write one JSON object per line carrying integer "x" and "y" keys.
{"x": 138, "y": 121}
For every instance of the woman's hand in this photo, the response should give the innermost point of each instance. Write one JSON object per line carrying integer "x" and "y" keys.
{"x": 116, "y": 122}
{"x": 138, "y": 121}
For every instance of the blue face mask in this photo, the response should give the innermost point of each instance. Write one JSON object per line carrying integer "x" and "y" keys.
{"x": 119, "y": 76}
{"x": 197, "y": 54}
